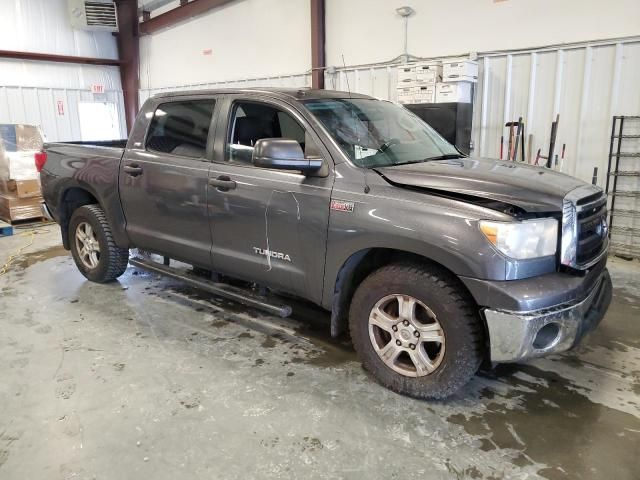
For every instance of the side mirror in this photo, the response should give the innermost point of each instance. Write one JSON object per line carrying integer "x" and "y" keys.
{"x": 283, "y": 154}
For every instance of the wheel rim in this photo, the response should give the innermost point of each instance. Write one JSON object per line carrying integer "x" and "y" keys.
{"x": 406, "y": 335}
{"x": 87, "y": 245}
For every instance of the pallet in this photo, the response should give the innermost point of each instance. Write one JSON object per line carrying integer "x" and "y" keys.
{"x": 6, "y": 229}
{"x": 24, "y": 222}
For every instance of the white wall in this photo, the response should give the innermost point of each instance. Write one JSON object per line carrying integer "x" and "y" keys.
{"x": 247, "y": 39}
{"x": 369, "y": 31}
{"x": 30, "y": 90}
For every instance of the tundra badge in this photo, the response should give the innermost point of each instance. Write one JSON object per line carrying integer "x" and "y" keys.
{"x": 271, "y": 253}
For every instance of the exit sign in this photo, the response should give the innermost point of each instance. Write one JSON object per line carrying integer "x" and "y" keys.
{"x": 97, "y": 88}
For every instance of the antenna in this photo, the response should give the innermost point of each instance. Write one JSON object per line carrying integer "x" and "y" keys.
{"x": 346, "y": 76}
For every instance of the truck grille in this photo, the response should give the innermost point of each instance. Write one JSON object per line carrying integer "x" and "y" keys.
{"x": 584, "y": 227}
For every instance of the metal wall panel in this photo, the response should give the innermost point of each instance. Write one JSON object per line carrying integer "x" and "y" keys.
{"x": 39, "y": 106}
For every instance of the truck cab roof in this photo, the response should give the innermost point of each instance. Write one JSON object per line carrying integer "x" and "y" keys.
{"x": 288, "y": 93}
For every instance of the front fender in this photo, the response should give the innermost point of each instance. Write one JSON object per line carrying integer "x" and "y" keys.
{"x": 435, "y": 228}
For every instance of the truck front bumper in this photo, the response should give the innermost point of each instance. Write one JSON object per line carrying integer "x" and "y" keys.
{"x": 518, "y": 335}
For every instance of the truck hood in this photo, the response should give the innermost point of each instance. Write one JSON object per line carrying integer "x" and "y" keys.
{"x": 533, "y": 189}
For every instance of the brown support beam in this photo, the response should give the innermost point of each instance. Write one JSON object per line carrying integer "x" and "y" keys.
{"x": 179, "y": 14}
{"x": 129, "y": 52}
{"x": 317, "y": 43}
{"x": 49, "y": 57}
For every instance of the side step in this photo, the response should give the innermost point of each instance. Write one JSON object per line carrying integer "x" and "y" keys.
{"x": 243, "y": 296}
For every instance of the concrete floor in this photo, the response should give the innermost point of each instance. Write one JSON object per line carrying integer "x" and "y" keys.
{"x": 147, "y": 379}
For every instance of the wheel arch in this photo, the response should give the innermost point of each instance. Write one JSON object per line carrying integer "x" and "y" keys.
{"x": 358, "y": 266}
{"x": 75, "y": 195}
{"x": 72, "y": 198}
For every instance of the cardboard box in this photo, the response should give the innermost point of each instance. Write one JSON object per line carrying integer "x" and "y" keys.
{"x": 466, "y": 70}
{"x": 13, "y": 208}
{"x": 425, "y": 94}
{"x": 21, "y": 188}
{"x": 406, "y": 94}
{"x": 459, "y": 92}
{"x": 406, "y": 73}
{"x": 428, "y": 72}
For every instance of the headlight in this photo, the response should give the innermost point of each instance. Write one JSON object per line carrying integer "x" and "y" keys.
{"x": 521, "y": 240}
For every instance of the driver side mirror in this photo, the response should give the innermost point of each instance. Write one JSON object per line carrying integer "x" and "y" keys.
{"x": 283, "y": 154}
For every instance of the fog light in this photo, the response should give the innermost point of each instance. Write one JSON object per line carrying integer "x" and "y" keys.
{"x": 547, "y": 336}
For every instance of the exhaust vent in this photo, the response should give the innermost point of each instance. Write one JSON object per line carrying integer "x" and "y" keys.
{"x": 93, "y": 15}
{"x": 101, "y": 14}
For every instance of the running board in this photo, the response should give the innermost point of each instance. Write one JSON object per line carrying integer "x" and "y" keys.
{"x": 243, "y": 296}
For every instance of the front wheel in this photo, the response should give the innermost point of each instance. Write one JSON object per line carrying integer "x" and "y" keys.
{"x": 416, "y": 330}
{"x": 92, "y": 246}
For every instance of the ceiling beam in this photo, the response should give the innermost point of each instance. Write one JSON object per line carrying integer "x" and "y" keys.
{"x": 317, "y": 43}
{"x": 180, "y": 14}
{"x": 50, "y": 57}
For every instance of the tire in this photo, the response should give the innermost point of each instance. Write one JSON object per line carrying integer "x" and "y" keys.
{"x": 109, "y": 261}
{"x": 443, "y": 310}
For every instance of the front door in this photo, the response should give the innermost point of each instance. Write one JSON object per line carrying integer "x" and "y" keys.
{"x": 163, "y": 184}
{"x": 268, "y": 226}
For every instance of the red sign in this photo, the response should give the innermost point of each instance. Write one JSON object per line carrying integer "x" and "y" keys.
{"x": 60, "y": 105}
{"x": 97, "y": 88}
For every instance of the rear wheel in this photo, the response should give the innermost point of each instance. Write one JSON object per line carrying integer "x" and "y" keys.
{"x": 92, "y": 246}
{"x": 416, "y": 330}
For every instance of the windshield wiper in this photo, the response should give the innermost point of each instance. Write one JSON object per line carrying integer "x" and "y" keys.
{"x": 446, "y": 156}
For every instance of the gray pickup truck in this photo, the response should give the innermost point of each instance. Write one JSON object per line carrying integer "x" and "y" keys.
{"x": 434, "y": 261}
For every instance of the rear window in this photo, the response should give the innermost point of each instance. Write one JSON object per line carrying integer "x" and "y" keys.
{"x": 181, "y": 128}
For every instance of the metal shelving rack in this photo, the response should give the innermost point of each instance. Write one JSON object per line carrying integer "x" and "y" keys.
{"x": 623, "y": 164}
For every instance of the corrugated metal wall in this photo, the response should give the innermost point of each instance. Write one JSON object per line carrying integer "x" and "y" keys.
{"x": 586, "y": 84}
{"x": 30, "y": 91}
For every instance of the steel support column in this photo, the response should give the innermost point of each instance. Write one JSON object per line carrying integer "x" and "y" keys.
{"x": 129, "y": 52}
{"x": 317, "y": 43}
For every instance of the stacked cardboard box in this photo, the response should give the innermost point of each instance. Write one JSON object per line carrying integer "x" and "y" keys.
{"x": 417, "y": 82}
{"x": 20, "y": 200}
{"x": 458, "y": 77}
{"x": 437, "y": 82}
{"x": 20, "y": 193}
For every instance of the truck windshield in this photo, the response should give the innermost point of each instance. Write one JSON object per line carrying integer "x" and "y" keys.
{"x": 376, "y": 133}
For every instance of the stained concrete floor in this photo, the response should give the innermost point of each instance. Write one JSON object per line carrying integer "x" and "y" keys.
{"x": 144, "y": 378}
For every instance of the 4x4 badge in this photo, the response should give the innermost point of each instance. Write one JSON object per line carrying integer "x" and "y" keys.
{"x": 342, "y": 206}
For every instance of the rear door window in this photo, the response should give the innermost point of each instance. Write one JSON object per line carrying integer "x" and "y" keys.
{"x": 181, "y": 128}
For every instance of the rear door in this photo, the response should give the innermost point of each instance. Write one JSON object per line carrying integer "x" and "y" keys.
{"x": 268, "y": 226}
{"x": 163, "y": 180}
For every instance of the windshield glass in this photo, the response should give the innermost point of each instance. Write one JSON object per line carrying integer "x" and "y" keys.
{"x": 375, "y": 133}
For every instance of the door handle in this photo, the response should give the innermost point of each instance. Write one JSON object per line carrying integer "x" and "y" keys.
{"x": 223, "y": 183}
{"x": 133, "y": 170}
